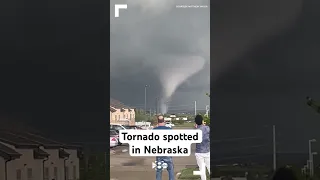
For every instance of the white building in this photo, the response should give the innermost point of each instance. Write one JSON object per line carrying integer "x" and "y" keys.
{"x": 26, "y": 156}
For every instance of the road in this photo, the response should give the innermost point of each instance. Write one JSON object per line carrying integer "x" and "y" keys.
{"x": 124, "y": 167}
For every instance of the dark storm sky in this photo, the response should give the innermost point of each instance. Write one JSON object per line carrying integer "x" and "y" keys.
{"x": 272, "y": 72}
{"x": 54, "y": 65}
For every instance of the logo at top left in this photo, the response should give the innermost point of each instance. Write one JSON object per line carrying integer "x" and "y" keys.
{"x": 117, "y": 8}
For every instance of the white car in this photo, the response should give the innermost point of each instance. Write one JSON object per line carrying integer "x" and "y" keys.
{"x": 117, "y": 127}
{"x": 170, "y": 125}
{"x": 113, "y": 142}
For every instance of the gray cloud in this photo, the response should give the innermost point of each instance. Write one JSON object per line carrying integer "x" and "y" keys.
{"x": 155, "y": 43}
{"x": 240, "y": 26}
{"x": 275, "y": 47}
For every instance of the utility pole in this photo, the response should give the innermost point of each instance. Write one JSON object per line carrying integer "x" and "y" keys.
{"x": 150, "y": 113}
{"x": 195, "y": 108}
{"x": 157, "y": 105}
{"x": 145, "y": 99}
{"x": 274, "y": 148}
{"x": 310, "y": 158}
{"x": 311, "y": 154}
{"x": 207, "y": 110}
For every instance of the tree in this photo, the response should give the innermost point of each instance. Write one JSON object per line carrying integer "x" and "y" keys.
{"x": 95, "y": 166}
{"x": 206, "y": 119}
{"x": 141, "y": 116}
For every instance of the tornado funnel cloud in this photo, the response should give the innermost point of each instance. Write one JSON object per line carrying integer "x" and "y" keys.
{"x": 171, "y": 77}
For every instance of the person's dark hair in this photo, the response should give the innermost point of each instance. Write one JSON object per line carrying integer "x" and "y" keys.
{"x": 160, "y": 119}
{"x": 284, "y": 173}
{"x": 198, "y": 119}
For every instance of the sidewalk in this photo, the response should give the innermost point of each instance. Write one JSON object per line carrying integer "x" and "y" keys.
{"x": 133, "y": 175}
{"x": 141, "y": 167}
{"x": 124, "y": 167}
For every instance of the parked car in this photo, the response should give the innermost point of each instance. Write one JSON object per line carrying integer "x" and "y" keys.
{"x": 117, "y": 127}
{"x": 132, "y": 127}
{"x": 113, "y": 141}
{"x": 113, "y": 133}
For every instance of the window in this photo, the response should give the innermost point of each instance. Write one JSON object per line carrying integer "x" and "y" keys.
{"x": 55, "y": 173}
{"x": 66, "y": 172}
{"x": 46, "y": 173}
{"x": 130, "y": 117}
{"x": 18, "y": 174}
{"x": 115, "y": 117}
{"x": 29, "y": 174}
{"x": 119, "y": 117}
{"x": 74, "y": 172}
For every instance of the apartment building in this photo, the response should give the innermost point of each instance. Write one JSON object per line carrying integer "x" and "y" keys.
{"x": 121, "y": 113}
{"x": 27, "y": 156}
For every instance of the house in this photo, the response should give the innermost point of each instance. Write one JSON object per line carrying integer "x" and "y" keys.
{"x": 121, "y": 114}
{"x": 28, "y": 156}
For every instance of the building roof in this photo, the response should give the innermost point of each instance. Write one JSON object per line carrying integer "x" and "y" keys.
{"x": 40, "y": 154}
{"x": 38, "y": 139}
{"x": 63, "y": 154}
{"x": 8, "y": 153}
{"x": 117, "y": 104}
{"x": 112, "y": 109}
{"x": 31, "y": 140}
{"x": 11, "y": 139}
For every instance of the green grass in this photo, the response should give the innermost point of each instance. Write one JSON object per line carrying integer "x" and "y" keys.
{"x": 188, "y": 174}
{"x": 184, "y": 125}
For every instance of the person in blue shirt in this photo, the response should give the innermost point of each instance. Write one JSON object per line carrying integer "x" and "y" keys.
{"x": 203, "y": 149}
{"x": 165, "y": 159}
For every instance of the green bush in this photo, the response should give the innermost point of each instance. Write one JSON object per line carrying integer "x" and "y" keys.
{"x": 207, "y": 120}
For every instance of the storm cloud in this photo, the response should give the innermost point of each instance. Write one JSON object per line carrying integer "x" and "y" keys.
{"x": 154, "y": 43}
{"x": 273, "y": 50}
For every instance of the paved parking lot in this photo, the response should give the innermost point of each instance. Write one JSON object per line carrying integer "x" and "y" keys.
{"x": 124, "y": 167}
